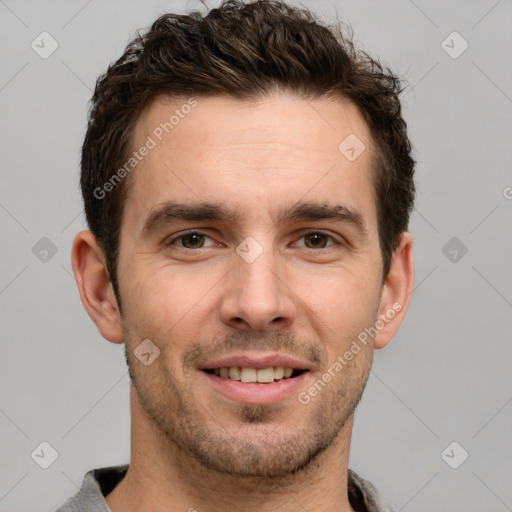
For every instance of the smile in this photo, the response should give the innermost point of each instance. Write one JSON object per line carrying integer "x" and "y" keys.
{"x": 246, "y": 388}
{"x": 254, "y": 375}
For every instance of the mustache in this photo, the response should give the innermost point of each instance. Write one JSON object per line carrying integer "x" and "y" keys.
{"x": 286, "y": 343}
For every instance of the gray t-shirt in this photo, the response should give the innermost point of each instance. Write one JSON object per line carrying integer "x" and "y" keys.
{"x": 98, "y": 483}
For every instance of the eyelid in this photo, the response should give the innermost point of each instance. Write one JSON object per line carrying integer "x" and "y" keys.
{"x": 177, "y": 236}
{"x": 337, "y": 240}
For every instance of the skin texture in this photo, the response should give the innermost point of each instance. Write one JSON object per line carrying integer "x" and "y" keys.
{"x": 191, "y": 446}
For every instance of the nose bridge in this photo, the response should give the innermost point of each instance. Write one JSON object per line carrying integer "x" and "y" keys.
{"x": 257, "y": 296}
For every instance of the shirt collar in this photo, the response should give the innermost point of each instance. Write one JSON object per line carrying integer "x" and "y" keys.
{"x": 98, "y": 483}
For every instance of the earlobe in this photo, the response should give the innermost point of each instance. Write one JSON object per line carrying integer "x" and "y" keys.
{"x": 396, "y": 292}
{"x": 95, "y": 287}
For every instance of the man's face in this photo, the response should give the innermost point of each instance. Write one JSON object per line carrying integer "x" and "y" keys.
{"x": 251, "y": 287}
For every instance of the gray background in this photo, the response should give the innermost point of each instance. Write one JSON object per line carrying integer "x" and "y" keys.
{"x": 446, "y": 376}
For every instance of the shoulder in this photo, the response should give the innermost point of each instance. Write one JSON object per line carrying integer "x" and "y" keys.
{"x": 96, "y": 484}
{"x": 364, "y": 497}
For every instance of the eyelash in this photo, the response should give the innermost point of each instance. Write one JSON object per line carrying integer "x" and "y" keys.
{"x": 193, "y": 232}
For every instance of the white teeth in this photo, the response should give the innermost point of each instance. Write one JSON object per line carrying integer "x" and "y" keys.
{"x": 248, "y": 375}
{"x": 264, "y": 375}
{"x": 278, "y": 372}
{"x": 234, "y": 373}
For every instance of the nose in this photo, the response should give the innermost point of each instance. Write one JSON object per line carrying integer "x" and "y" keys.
{"x": 258, "y": 296}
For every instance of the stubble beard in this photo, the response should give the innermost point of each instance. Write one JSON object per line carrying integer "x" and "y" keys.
{"x": 261, "y": 447}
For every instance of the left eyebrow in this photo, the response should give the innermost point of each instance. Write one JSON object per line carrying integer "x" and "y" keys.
{"x": 314, "y": 211}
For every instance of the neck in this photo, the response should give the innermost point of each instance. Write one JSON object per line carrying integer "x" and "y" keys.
{"x": 161, "y": 474}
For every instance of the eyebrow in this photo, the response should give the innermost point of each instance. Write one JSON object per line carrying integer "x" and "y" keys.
{"x": 309, "y": 211}
{"x": 172, "y": 211}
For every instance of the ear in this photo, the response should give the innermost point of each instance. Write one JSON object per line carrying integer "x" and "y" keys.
{"x": 95, "y": 287}
{"x": 396, "y": 292}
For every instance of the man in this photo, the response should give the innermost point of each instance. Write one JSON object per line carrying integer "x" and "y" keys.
{"x": 248, "y": 182}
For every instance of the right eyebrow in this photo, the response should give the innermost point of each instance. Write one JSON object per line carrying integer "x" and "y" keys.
{"x": 173, "y": 211}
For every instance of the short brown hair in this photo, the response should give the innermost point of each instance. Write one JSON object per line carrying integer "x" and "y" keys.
{"x": 245, "y": 51}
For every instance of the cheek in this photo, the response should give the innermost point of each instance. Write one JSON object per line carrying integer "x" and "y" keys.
{"x": 163, "y": 303}
{"x": 339, "y": 310}
{"x": 341, "y": 297}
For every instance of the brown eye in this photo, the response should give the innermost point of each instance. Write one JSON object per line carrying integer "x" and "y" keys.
{"x": 192, "y": 241}
{"x": 316, "y": 240}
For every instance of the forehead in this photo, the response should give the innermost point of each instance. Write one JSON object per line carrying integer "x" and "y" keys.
{"x": 220, "y": 148}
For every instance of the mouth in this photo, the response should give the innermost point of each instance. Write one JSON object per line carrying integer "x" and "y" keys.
{"x": 247, "y": 374}
{"x": 255, "y": 378}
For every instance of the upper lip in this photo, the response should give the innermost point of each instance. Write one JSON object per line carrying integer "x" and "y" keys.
{"x": 258, "y": 361}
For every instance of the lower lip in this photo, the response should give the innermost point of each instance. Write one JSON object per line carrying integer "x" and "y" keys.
{"x": 254, "y": 393}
